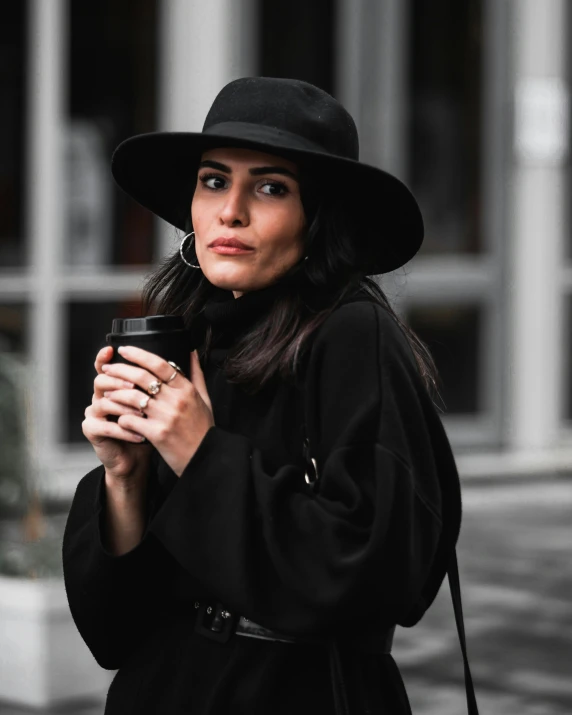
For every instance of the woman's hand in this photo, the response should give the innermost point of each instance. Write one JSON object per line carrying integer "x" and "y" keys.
{"x": 118, "y": 449}
{"x": 177, "y": 417}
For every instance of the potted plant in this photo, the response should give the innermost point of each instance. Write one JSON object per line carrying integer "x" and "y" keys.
{"x": 43, "y": 659}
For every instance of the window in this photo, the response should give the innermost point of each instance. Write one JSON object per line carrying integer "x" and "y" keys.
{"x": 14, "y": 329}
{"x": 445, "y": 121}
{"x": 113, "y": 87}
{"x": 452, "y": 334}
{"x": 12, "y": 123}
{"x": 298, "y": 43}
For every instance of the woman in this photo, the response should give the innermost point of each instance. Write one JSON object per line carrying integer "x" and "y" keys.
{"x": 230, "y": 565}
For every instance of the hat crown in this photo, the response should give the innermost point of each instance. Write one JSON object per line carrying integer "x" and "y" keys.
{"x": 287, "y": 105}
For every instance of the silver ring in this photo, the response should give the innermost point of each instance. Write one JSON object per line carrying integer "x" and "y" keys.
{"x": 144, "y": 401}
{"x": 154, "y": 387}
{"x": 177, "y": 371}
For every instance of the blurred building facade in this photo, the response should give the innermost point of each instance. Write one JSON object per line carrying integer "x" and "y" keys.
{"x": 466, "y": 102}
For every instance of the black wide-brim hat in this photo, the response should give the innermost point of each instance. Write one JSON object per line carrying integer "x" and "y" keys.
{"x": 289, "y": 118}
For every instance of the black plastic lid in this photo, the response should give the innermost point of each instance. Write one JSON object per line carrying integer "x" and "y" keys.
{"x": 147, "y": 324}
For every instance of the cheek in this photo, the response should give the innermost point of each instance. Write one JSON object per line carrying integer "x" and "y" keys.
{"x": 196, "y": 211}
{"x": 294, "y": 240}
{"x": 201, "y": 216}
{"x": 286, "y": 228}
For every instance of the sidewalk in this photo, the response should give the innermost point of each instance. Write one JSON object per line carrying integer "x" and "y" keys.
{"x": 516, "y": 579}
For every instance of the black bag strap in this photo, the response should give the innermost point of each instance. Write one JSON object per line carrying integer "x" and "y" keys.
{"x": 338, "y": 681}
{"x": 455, "y": 586}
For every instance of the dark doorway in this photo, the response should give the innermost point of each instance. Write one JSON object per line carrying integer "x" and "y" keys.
{"x": 299, "y": 42}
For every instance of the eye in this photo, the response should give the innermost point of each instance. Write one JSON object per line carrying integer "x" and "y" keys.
{"x": 212, "y": 181}
{"x": 275, "y": 188}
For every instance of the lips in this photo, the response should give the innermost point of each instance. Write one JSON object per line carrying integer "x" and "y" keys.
{"x": 231, "y": 242}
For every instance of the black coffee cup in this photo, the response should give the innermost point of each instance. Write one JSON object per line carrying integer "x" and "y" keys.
{"x": 163, "y": 335}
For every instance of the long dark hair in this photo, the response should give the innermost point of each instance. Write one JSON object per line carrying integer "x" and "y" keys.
{"x": 313, "y": 288}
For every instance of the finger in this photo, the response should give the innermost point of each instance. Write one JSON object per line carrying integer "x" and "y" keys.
{"x": 136, "y": 375}
{"x": 96, "y": 430}
{"x": 105, "y": 406}
{"x": 136, "y": 424}
{"x": 138, "y": 355}
{"x": 153, "y": 363}
{"x": 130, "y": 398}
{"x": 103, "y": 356}
{"x": 198, "y": 378}
{"x": 177, "y": 378}
{"x": 105, "y": 382}
{"x": 196, "y": 372}
{"x": 156, "y": 366}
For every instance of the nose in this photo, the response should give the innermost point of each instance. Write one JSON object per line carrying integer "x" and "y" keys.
{"x": 234, "y": 211}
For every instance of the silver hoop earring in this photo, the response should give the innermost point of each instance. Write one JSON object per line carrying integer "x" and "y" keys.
{"x": 181, "y": 248}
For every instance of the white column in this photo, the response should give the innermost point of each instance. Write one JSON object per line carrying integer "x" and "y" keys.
{"x": 348, "y": 56}
{"x": 45, "y": 213}
{"x": 372, "y": 51}
{"x": 203, "y": 46}
{"x": 537, "y": 222}
{"x": 371, "y": 77}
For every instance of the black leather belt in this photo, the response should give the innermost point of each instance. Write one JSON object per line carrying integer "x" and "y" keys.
{"x": 217, "y": 623}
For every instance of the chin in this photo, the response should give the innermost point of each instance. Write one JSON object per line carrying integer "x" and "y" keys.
{"x": 228, "y": 280}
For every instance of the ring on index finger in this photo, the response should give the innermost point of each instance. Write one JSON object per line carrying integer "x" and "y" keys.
{"x": 177, "y": 370}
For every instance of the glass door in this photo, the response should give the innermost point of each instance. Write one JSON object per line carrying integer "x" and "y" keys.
{"x": 455, "y": 166}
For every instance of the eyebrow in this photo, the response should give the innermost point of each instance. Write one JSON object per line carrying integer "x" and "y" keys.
{"x": 257, "y": 171}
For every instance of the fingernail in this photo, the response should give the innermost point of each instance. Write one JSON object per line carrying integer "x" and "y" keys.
{"x": 106, "y": 394}
{"x": 105, "y": 367}
{"x": 128, "y": 384}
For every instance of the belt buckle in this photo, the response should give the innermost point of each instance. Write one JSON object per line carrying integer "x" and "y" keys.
{"x": 214, "y": 622}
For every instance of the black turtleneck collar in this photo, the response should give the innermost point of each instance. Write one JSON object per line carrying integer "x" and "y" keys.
{"x": 230, "y": 316}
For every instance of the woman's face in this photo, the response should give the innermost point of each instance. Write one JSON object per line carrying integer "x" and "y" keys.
{"x": 255, "y": 198}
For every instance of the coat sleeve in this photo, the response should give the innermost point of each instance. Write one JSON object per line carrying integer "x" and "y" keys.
{"x": 300, "y": 561}
{"x": 114, "y": 600}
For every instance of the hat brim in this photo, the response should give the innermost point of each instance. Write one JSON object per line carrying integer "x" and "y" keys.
{"x": 159, "y": 171}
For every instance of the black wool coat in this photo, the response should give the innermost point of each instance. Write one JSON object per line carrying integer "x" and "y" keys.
{"x": 363, "y": 550}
